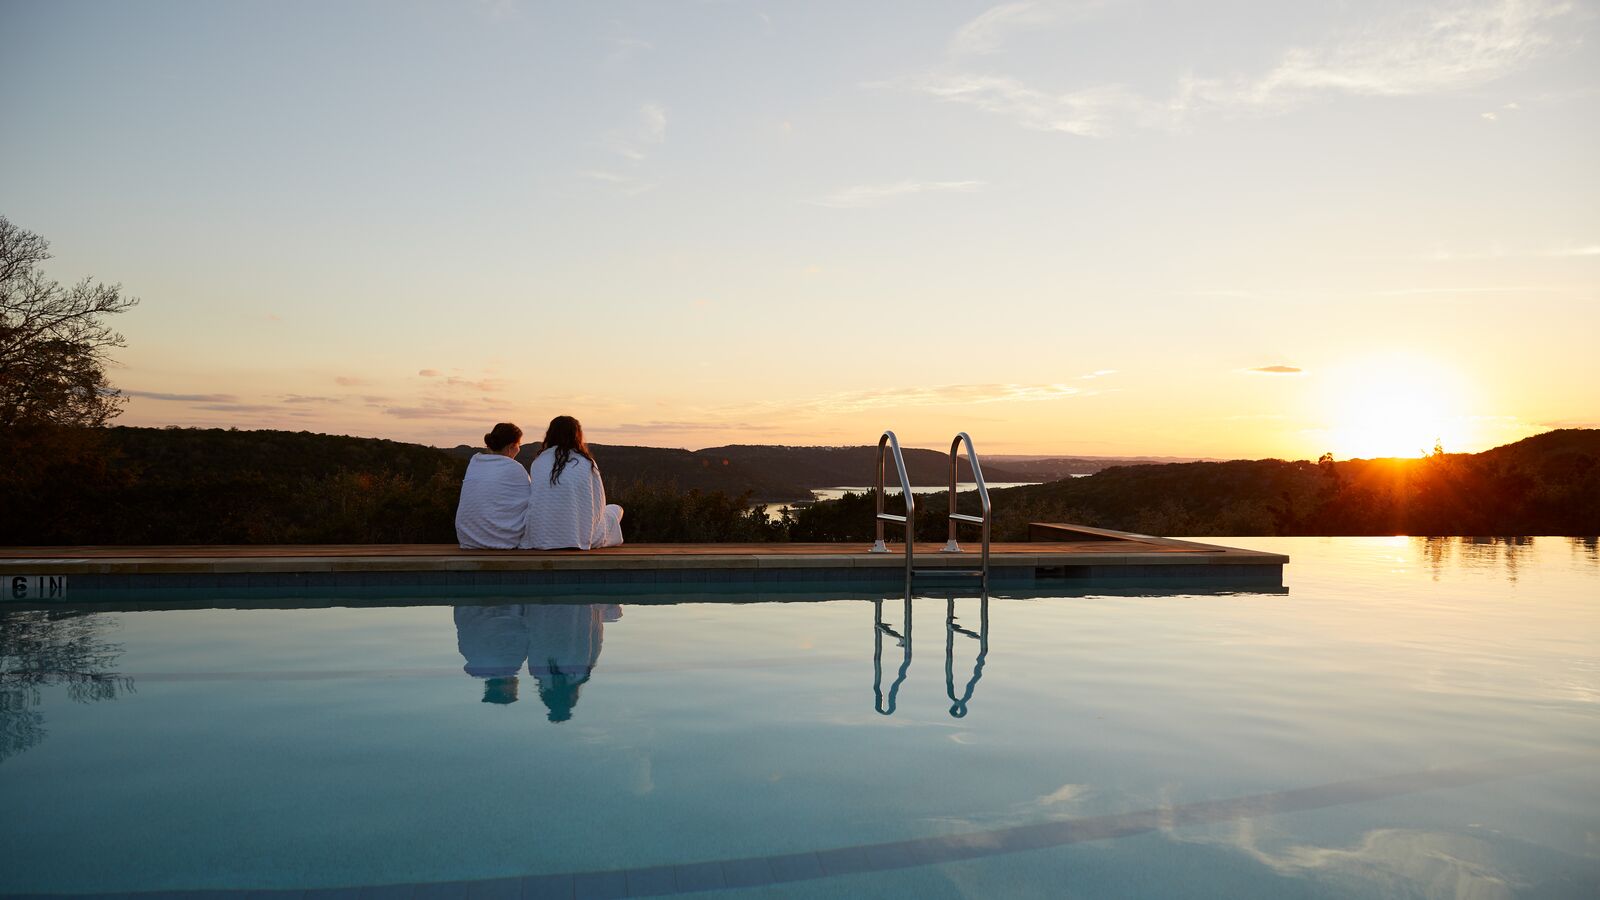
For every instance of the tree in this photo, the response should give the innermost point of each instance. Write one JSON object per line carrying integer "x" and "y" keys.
{"x": 53, "y": 342}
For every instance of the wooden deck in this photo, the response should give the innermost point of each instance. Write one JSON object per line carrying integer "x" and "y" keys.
{"x": 1063, "y": 552}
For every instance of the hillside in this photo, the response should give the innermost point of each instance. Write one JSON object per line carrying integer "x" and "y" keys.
{"x": 188, "y": 486}
{"x": 1546, "y": 484}
{"x": 768, "y": 474}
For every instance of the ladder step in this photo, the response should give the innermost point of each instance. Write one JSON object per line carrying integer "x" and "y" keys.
{"x": 888, "y": 517}
{"x": 965, "y": 573}
{"x": 963, "y": 517}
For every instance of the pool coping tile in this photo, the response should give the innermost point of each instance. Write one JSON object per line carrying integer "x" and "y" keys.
{"x": 611, "y": 885}
{"x": 706, "y": 876}
{"x": 750, "y": 872}
{"x": 652, "y": 882}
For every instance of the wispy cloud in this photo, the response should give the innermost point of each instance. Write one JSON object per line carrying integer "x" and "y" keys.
{"x": 647, "y": 131}
{"x": 633, "y": 143}
{"x": 624, "y": 49}
{"x": 985, "y": 33}
{"x": 486, "y": 385}
{"x": 183, "y": 398}
{"x": 249, "y": 408}
{"x": 670, "y": 427}
{"x": 1585, "y": 250}
{"x": 1276, "y": 370}
{"x": 1090, "y": 112}
{"x": 304, "y": 399}
{"x": 1428, "y": 291}
{"x": 350, "y": 381}
{"x": 628, "y": 185}
{"x": 1418, "y": 52}
{"x": 873, "y": 194}
{"x": 429, "y": 373}
{"x": 939, "y": 395}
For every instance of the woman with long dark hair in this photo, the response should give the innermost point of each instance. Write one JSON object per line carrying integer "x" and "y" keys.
{"x": 493, "y": 512}
{"x": 567, "y": 500}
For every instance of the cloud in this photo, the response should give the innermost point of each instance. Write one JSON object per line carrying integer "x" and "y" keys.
{"x": 1425, "y": 51}
{"x": 674, "y": 427}
{"x": 183, "y": 398}
{"x": 647, "y": 130}
{"x": 350, "y": 381}
{"x": 653, "y": 123}
{"x": 985, "y": 33}
{"x": 1276, "y": 370}
{"x": 862, "y": 195}
{"x": 939, "y": 395}
{"x": 422, "y": 412}
{"x": 1098, "y": 373}
{"x": 1412, "y": 53}
{"x": 302, "y": 398}
{"x": 627, "y": 185}
{"x": 1090, "y": 112}
{"x": 991, "y": 28}
{"x": 486, "y": 385}
{"x": 624, "y": 49}
{"x": 1422, "y": 292}
{"x": 429, "y": 373}
{"x": 246, "y": 408}
{"x": 1586, "y": 250}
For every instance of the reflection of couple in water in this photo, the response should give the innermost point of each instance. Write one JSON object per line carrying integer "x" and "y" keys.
{"x": 560, "y": 644}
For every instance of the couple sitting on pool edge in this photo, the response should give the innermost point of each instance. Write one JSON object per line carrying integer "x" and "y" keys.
{"x": 557, "y": 503}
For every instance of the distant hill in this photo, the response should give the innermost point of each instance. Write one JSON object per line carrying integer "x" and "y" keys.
{"x": 769, "y": 473}
{"x": 1546, "y": 484}
{"x": 1052, "y": 468}
{"x": 197, "y": 486}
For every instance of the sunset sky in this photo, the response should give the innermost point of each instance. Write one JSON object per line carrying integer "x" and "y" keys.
{"x": 1222, "y": 229}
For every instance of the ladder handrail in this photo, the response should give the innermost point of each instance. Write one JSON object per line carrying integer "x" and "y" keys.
{"x": 954, "y": 518}
{"x": 910, "y": 520}
{"x": 878, "y": 631}
{"x": 958, "y": 705}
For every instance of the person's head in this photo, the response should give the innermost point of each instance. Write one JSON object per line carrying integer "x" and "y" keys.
{"x": 565, "y": 437}
{"x": 504, "y": 439}
{"x": 500, "y": 690}
{"x": 559, "y": 691}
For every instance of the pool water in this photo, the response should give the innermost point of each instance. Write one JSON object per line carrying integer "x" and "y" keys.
{"x": 1413, "y": 718}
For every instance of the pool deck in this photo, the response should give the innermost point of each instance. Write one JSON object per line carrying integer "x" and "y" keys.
{"x": 1057, "y": 552}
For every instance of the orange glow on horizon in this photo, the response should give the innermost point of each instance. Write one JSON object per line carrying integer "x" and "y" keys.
{"x": 1396, "y": 406}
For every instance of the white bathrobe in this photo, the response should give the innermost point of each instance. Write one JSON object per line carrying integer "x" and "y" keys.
{"x": 493, "y": 511}
{"x": 573, "y": 511}
{"x": 492, "y": 639}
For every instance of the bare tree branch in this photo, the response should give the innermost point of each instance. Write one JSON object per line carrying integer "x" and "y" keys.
{"x": 53, "y": 340}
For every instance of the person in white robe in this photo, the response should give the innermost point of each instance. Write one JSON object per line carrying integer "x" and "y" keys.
{"x": 494, "y": 642}
{"x": 563, "y": 649}
{"x": 567, "y": 506}
{"x": 493, "y": 511}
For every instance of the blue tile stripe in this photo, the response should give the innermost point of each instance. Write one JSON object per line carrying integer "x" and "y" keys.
{"x": 757, "y": 871}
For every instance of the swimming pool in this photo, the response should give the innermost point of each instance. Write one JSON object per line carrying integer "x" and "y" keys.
{"x": 1412, "y": 718}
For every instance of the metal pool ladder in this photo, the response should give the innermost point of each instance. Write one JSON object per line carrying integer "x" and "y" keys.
{"x": 888, "y": 441}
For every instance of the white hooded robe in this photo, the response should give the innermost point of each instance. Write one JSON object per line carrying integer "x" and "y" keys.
{"x": 493, "y": 512}
{"x": 572, "y": 513}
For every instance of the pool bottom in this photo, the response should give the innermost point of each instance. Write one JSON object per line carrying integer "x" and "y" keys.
{"x": 762, "y": 871}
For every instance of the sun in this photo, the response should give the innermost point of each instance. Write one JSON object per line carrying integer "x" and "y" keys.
{"x": 1395, "y": 406}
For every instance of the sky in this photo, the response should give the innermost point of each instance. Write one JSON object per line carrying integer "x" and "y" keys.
{"x": 1228, "y": 229}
